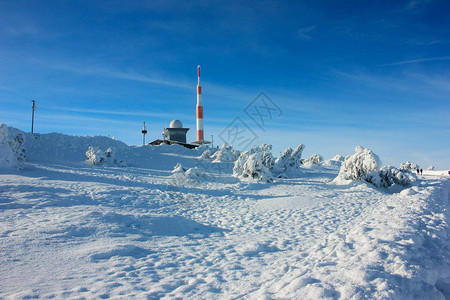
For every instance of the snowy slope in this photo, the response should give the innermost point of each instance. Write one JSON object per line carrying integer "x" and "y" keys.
{"x": 73, "y": 230}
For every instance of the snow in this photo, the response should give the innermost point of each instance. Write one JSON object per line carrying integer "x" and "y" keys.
{"x": 70, "y": 229}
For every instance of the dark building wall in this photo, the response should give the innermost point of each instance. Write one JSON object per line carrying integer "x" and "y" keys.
{"x": 177, "y": 134}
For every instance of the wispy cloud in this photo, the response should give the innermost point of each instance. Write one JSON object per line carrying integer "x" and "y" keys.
{"x": 130, "y": 75}
{"x": 305, "y": 33}
{"x": 114, "y": 113}
{"x": 419, "y": 60}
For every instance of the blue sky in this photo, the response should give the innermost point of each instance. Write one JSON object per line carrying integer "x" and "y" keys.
{"x": 342, "y": 73}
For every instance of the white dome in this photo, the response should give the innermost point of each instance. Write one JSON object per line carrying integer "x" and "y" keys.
{"x": 176, "y": 124}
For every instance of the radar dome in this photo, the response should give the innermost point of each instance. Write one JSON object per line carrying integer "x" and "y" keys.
{"x": 176, "y": 124}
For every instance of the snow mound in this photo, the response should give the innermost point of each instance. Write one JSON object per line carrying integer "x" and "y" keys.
{"x": 358, "y": 166}
{"x": 61, "y": 148}
{"x": 226, "y": 153}
{"x": 12, "y": 150}
{"x": 95, "y": 156}
{"x": 255, "y": 164}
{"x": 335, "y": 162}
{"x": 53, "y": 147}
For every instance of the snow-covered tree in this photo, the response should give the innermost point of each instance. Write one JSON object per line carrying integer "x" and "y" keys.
{"x": 95, "y": 156}
{"x": 295, "y": 161}
{"x": 358, "y": 166}
{"x": 255, "y": 164}
{"x": 12, "y": 151}
{"x": 314, "y": 160}
{"x": 390, "y": 176}
{"x": 409, "y": 166}
{"x": 206, "y": 154}
{"x": 431, "y": 168}
{"x": 226, "y": 153}
{"x": 335, "y": 162}
{"x": 178, "y": 169}
{"x": 282, "y": 162}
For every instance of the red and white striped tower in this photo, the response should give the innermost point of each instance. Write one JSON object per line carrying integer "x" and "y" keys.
{"x": 200, "y": 136}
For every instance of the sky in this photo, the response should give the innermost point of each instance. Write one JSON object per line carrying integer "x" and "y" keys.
{"x": 331, "y": 75}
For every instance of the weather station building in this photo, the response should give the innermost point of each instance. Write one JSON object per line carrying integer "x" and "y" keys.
{"x": 176, "y": 132}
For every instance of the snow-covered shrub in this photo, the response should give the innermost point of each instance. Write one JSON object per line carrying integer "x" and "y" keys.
{"x": 226, "y": 153}
{"x": 358, "y": 166}
{"x": 181, "y": 175}
{"x": 95, "y": 156}
{"x": 314, "y": 160}
{"x": 409, "y": 166}
{"x": 194, "y": 173}
{"x": 390, "y": 176}
{"x": 12, "y": 151}
{"x": 255, "y": 164}
{"x": 206, "y": 154}
{"x": 431, "y": 168}
{"x": 295, "y": 161}
{"x": 282, "y": 162}
{"x": 178, "y": 169}
{"x": 335, "y": 162}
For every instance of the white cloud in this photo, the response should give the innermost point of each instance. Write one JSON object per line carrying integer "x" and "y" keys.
{"x": 305, "y": 33}
{"x": 419, "y": 60}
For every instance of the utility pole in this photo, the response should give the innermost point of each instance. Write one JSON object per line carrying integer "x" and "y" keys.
{"x": 32, "y": 115}
{"x": 212, "y": 141}
{"x": 144, "y": 132}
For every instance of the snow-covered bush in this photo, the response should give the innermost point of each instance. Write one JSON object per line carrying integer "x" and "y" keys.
{"x": 178, "y": 169}
{"x": 255, "y": 164}
{"x": 294, "y": 162}
{"x": 335, "y": 162}
{"x": 390, "y": 176}
{"x": 431, "y": 168}
{"x": 226, "y": 153}
{"x": 194, "y": 173}
{"x": 282, "y": 161}
{"x": 206, "y": 154}
{"x": 314, "y": 160}
{"x": 95, "y": 156}
{"x": 12, "y": 151}
{"x": 180, "y": 174}
{"x": 358, "y": 166}
{"x": 289, "y": 160}
{"x": 409, "y": 166}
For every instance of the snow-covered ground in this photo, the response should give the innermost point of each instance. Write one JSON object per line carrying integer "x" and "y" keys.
{"x": 70, "y": 229}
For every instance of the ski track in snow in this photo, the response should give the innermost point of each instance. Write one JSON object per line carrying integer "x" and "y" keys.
{"x": 79, "y": 231}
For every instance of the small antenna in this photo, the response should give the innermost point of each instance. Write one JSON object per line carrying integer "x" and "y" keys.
{"x": 144, "y": 132}
{"x": 32, "y": 115}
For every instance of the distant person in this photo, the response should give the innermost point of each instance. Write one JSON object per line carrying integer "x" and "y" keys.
{"x": 417, "y": 171}
{"x": 421, "y": 171}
